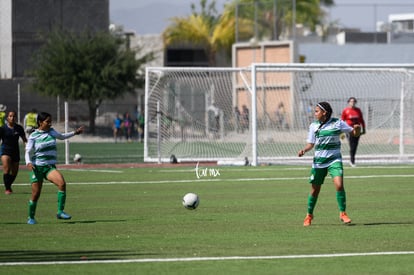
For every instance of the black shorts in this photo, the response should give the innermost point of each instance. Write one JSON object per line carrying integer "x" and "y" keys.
{"x": 15, "y": 156}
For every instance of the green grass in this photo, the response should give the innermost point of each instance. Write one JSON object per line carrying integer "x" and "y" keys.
{"x": 124, "y": 152}
{"x": 121, "y": 214}
{"x": 101, "y": 152}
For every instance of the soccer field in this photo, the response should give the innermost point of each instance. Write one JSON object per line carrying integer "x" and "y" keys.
{"x": 249, "y": 221}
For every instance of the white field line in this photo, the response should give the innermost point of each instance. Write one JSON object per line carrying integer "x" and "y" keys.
{"x": 224, "y": 168}
{"x": 226, "y": 180}
{"x": 94, "y": 170}
{"x": 195, "y": 259}
{"x": 279, "y": 168}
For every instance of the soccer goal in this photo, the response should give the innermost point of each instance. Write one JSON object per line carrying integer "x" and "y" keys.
{"x": 260, "y": 114}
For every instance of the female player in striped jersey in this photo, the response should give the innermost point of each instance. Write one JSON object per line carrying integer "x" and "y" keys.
{"x": 324, "y": 136}
{"x": 41, "y": 158}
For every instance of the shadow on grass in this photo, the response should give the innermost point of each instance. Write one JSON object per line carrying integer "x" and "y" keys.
{"x": 47, "y": 256}
{"x": 367, "y": 224}
{"x": 389, "y": 223}
{"x": 70, "y": 222}
{"x": 93, "y": 221}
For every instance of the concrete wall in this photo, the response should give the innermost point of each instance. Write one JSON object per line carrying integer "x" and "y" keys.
{"x": 32, "y": 18}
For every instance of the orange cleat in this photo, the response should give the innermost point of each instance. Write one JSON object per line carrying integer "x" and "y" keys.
{"x": 308, "y": 220}
{"x": 344, "y": 218}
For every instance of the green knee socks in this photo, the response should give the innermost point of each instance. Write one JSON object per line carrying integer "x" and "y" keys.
{"x": 341, "y": 199}
{"x": 32, "y": 209}
{"x": 61, "y": 201}
{"x": 311, "y": 203}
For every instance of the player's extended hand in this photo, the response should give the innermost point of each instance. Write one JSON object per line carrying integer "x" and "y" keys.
{"x": 79, "y": 130}
{"x": 29, "y": 166}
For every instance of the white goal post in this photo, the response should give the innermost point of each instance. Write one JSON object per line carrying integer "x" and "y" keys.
{"x": 190, "y": 112}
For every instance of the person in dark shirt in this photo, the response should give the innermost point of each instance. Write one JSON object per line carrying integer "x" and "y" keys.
{"x": 10, "y": 152}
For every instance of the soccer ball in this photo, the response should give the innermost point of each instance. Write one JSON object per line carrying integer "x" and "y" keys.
{"x": 191, "y": 201}
{"x": 77, "y": 158}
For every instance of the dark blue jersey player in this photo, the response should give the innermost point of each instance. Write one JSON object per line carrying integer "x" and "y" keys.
{"x": 10, "y": 152}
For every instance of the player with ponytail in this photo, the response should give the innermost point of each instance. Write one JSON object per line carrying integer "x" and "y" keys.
{"x": 324, "y": 137}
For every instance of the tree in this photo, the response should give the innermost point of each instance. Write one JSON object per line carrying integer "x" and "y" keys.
{"x": 205, "y": 29}
{"x": 273, "y": 18}
{"x": 90, "y": 67}
{"x": 208, "y": 11}
{"x": 256, "y": 18}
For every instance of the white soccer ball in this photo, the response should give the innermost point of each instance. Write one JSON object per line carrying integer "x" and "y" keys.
{"x": 191, "y": 201}
{"x": 77, "y": 158}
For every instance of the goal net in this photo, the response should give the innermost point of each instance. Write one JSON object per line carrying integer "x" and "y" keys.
{"x": 261, "y": 114}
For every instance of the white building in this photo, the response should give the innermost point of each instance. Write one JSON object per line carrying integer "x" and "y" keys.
{"x": 402, "y": 22}
{"x": 401, "y": 28}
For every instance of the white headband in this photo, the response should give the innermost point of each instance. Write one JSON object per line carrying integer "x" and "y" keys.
{"x": 320, "y": 106}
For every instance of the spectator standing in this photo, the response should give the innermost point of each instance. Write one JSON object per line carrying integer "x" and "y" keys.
{"x": 117, "y": 127}
{"x": 214, "y": 118}
{"x": 309, "y": 112}
{"x": 127, "y": 122}
{"x": 352, "y": 115}
{"x": 245, "y": 118}
{"x": 237, "y": 118}
{"x": 141, "y": 126}
{"x": 281, "y": 117}
{"x": 2, "y": 114}
{"x": 30, "y": 121}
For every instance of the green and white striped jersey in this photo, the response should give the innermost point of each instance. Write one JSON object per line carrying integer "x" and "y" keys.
{"x": 327, "y": 142}
{"x": 41, "y": 146}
